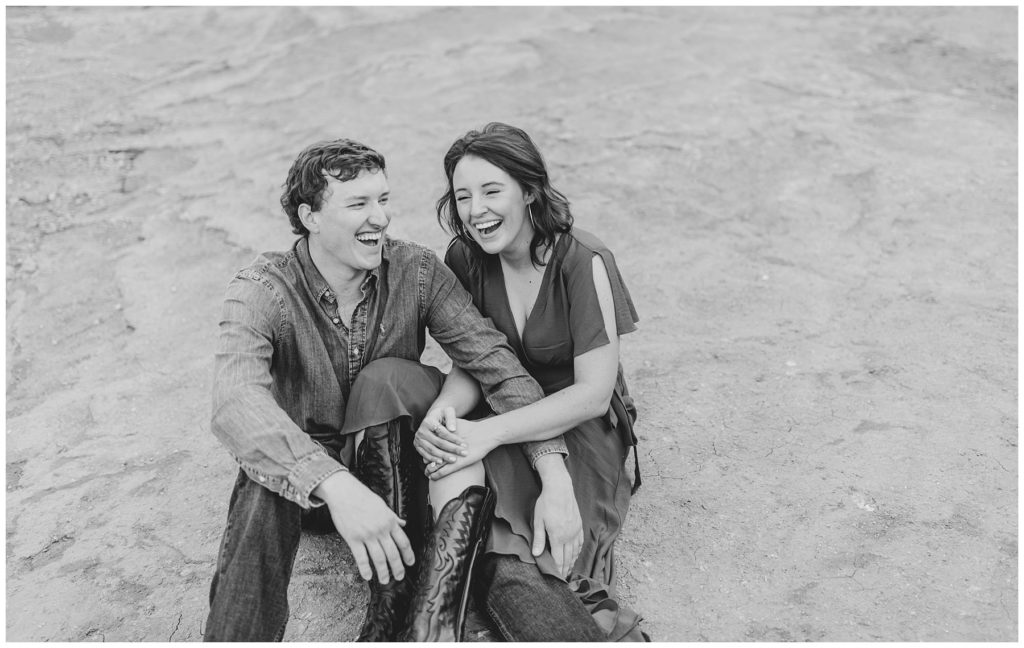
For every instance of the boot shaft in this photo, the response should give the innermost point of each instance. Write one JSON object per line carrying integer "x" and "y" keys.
{"x": 387, "y": 466}
{"x": 438, "y": 608}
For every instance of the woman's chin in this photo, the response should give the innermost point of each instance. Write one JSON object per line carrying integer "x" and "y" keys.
{"x": 490, "y": 245}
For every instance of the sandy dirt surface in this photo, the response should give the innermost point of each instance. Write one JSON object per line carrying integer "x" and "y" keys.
{"x": 815, "y": 209}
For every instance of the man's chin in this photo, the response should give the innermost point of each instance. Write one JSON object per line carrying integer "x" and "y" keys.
{"x": 371, "y": 261}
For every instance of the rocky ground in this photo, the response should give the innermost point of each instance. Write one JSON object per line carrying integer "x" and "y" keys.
{"x": 815, "y": 209}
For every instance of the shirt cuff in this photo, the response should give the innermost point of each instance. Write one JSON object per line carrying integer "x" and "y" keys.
{"x": 537, "y": 449}
{"x": 309, "y": 473}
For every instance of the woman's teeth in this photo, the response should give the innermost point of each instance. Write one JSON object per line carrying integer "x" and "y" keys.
{"x": 487, "y": 226}
{"x": 369, "y": 238}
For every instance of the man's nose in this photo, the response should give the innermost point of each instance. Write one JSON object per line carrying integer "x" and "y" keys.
{"x": 379, "y": 216}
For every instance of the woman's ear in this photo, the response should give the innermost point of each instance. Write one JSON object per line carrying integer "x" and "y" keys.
{"x": 309, "y": 219}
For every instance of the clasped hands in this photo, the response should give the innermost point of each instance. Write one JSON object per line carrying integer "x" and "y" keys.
{"x": 448, "y": 444}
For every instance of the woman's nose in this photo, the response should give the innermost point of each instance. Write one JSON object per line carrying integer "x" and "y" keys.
{"x": 476, "y": 206}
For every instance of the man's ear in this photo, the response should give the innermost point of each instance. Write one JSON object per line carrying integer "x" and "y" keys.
{"x": 309, "y": 218}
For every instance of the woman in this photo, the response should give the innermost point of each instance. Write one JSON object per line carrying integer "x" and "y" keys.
{"x": 557, "y": 295}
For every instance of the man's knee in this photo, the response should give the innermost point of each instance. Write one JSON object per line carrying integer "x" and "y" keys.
{"x": 528, "y": 605}
{"x": 395, "y": 372}
{"x": 391, "y": 388}
{"x": 500, "y": 575}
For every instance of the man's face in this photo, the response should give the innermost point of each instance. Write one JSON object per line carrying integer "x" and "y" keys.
{"x": 352, "y": 219}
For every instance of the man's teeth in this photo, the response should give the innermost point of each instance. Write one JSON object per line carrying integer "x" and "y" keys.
{"x": 369, "y": 238}
{"x": 487, "y": 226}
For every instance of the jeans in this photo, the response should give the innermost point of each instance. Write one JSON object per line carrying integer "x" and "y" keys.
{"x": 249, "y": 593}
{"x": 527, "y": 605}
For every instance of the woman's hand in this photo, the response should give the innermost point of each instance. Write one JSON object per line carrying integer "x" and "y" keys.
{"x": 436, "y": 439}
{"x": 556, "y": 516}
{"x": 476, "y": 441}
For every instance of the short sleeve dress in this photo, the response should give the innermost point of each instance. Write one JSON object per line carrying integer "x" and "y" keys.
{"x": 565, "y": 322}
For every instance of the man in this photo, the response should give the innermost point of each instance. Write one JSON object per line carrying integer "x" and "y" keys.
{"x": 315, "y": 343}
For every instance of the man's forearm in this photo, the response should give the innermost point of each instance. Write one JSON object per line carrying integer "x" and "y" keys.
{"x": 336, "y": 486}
{"x": 268, "y": 445}
{"x": 266, "y": 442}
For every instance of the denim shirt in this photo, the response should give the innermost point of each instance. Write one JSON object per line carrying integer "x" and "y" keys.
{"x": 285, "y": 362}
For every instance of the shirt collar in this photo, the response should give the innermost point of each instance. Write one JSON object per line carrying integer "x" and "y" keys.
{"x": 316, "y": 282}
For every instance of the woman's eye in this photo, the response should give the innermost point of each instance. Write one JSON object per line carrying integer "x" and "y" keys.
{"x": 383, "y": 201}
{"x": 357, "y": 205}
{"x": 461, "y": 198}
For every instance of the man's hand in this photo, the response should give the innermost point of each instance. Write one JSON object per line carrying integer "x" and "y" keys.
{"x": 372, "y": 531}
{"x": 477, "y": 441}
{"x": 436, "y": 439}
{"x": 556, "y": 516}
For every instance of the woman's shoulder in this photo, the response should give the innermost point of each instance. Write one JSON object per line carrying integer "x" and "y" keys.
{"x": 580, "y": 248}
{"x": 578, "y": 269}
{"x": 586, "y": 240}
{"x": 459, "y": 257}
{"x": 458, "y": 250}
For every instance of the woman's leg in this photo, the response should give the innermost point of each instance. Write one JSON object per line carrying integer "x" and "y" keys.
{"x": 461, "y": 525}
{"x": 448, "y": 488}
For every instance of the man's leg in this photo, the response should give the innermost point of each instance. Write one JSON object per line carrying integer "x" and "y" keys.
{"x": 249, "y": 594}
{"x": 527, "y": 605}
{"x": 384, "y": 470}
{"x": 387, "y": 396}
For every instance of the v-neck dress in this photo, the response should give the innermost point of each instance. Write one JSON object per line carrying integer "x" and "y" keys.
{"x": 565, "y": 322}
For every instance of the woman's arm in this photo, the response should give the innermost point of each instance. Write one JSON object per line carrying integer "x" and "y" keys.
{"x": 460, "y": 393}
{"x": 589, "y": 397}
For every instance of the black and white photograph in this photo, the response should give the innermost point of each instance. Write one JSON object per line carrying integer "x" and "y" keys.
{"x": 538, "y": 323}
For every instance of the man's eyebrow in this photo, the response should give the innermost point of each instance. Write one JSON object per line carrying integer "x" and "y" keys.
{"x": 360, "y": 197}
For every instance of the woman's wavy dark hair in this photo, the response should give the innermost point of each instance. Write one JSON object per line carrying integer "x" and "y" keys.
{"x": 511, "y": 150}
{"x": 342, "y": 159}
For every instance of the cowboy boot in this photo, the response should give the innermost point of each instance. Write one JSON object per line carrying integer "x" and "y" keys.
{"x": 438, "y": 610}
{"x": 385, "y": 468}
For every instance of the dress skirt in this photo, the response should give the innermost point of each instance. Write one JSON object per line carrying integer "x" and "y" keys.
{"x": 388, "y": 389}
{"x": 598, "y": 449}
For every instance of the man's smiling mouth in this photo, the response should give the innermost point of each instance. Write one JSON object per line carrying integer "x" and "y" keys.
{"x": 370, "y": 239}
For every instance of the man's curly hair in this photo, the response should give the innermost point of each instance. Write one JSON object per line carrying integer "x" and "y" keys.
{"x": 342, "y": 159}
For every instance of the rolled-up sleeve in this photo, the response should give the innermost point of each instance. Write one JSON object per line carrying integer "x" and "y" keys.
{"x": 246, "y": 418}
{"x": 472, "y": 342}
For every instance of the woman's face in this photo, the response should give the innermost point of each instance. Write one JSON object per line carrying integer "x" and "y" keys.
{"x": 492, "y": 206}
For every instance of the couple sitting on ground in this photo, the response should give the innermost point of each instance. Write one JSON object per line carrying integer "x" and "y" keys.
{"x": 521, "y": 448}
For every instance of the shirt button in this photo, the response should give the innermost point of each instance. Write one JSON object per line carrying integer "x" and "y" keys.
{"x": 263, "y": 479}
{"x": 336, "y": 320}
